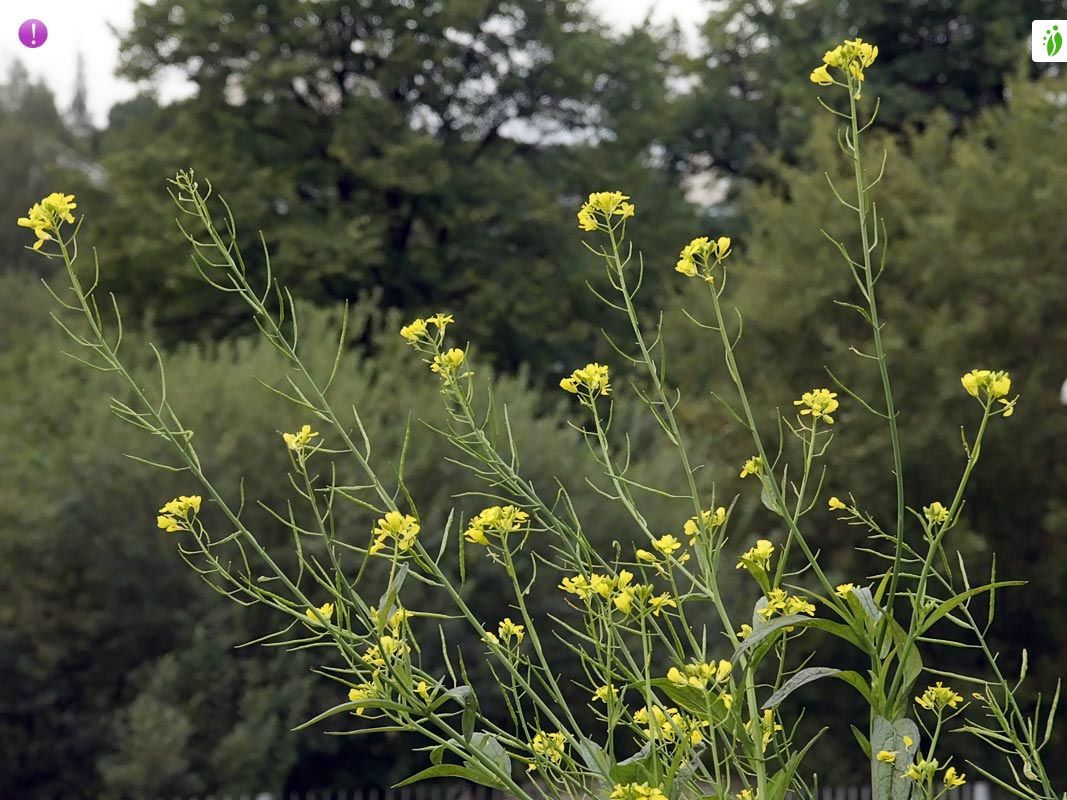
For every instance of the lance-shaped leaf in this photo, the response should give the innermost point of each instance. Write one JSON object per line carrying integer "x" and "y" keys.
{"x": 801, "y": 678}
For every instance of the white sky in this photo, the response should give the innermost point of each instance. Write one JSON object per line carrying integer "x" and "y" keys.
{"x": 85, "y": 26}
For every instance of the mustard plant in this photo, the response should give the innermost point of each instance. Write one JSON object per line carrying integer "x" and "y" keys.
{"x": 709, "y": 725}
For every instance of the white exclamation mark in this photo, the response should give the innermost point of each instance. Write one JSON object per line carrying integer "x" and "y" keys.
{"x": 33, "y": 34}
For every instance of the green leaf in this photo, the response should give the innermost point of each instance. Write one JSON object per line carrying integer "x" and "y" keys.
{"x": 801, "y": 678}
{"x": 385, "y": 705}
{"x": 889, "y": 780}
{"x": 636, "y": 769}
{"x": 864, "y": 742}
{"x": 452, "y": 771}
{"x": 489, "y": 746}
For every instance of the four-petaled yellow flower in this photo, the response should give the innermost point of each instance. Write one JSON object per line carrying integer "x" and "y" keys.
{"x": 953, "y": 779}
{"x": 821, "y": 76}
{"x": 637, "y": 791}
{"x": 836, "y": 504}
{"x": 887, "y": 756}
{"x": 508, "y": 630}
{"x": 299, "y": 440}
{"x": 935, "y": 513}
{"x": 938, "y": 697}
{"x": 47, "y": 216}
{"x": 549, "y": 746}
{"x": 414, "y": 331}
{"x": 820, "y": 403}
{"x": 598, "y": 210}
{"x": 754, "y": 466}
{"x": 590, "y": 381}
{"x": 362, "y": 693}
{"x": 177, "y": 514}
{"x": 666, "y": 544}
{"x": 844, "y": 590}
{"x": 602, "y": 693}
{"x": 320, "y": 615}
{"x": 779, "y": 602}
{"x": 700, "y": 255}
{"x": 400, "y": 529}
{"x": 758, "y": 557}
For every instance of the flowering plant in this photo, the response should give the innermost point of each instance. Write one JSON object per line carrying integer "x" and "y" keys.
{"x": 707, "y": 725}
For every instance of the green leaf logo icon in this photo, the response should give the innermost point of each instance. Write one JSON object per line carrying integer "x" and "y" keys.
{"x": 1053, "y": 40}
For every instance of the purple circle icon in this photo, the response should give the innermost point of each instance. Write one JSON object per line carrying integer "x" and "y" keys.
{"x": 33, "y": 33}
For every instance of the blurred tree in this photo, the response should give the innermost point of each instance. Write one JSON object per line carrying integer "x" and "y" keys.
{"x": 755, "y": 56}
{"x": 433, "y": 151}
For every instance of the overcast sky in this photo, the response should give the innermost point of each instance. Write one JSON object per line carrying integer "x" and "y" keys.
{"x": 85, "y": 26}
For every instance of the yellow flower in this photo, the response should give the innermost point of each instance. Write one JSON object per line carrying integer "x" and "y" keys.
{"x": 778, "y": 602}
{"x": 887, "y": 756}
{"x": 647, "y": 557}
{"x": 745, "y": 631}
{"x": 637, "y": 791}
{"x": 578, "y": 585}
{"x": 922, "y": 770}
{"x": 744, "y": 794}
{"x": 709, "y": 520}
{"x": 939, "y": 697}
{"x": 495, "y": 520}
{"x": 299, "y": 440}
{"x": 666, "y": 544}
{"x": 396, "y": 528}
{"x": 441, "y": 321}
{"x": 820, "y": 403}
{"x": 602, "y": 693}
{"x": 509, "y": 630}
{"x": 754, "y": 466}
{"x": 624, "y": 601}
{"x": 414, "y": 331}
{"x": 953, "y": 779}
{"x": 47, "y": 216}
{"x": 660, "y": 602}
{"x": 767, "y": 727}
{"x": 549, "y": 746}
{"x": 388, "y": 647}
{"x": 423, "y": 689}
{"x": 758, "y": 557}
{"x": 908, "y": 741}
{"x": 590, "y": 381}
{"x": 178, "y": 513}
{"x": 448, "y": 363}
{"x": 836, "y": 504}
{"x": 935, "y": 513}
{"x": 601, "y": 207}
{"x": 844, "y": 590}
{"x": 821, "y": 76}
{"x": 358, "y": 694}
{"x": 320, "y": 615}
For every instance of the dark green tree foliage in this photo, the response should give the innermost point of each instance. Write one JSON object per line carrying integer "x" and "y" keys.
{"x": 752, "y": 70}
{"x": 432, "y": 151}
{"x": 974, "y": 279}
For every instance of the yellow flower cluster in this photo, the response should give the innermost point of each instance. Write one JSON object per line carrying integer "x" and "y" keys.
{"x": 299, "y": 440}
{"x": 388, "y": 647}
{"x": 935, "y": 513}
{"x": 699, "y": 676}
{"x": 397, "y": 529}
{"x": 590, "y": 381}
{"x": 447, "y": 363}
{"x": 709, "y": 520}
{"x": 669, "y": 724}
{"x": 637, "y": 791}
{"x": 754, "y": 466}
{"x": 758, "y": 557}
{"x": 548, "y": 746}
{"x": 418, "y": 330}
{"x": 508, "y": 630}
{"x": 701, "y": 255}
{"x": 598, "y": 210}
{"x": 851, "y": 57}
{"x": 665, "y": 545}
{"x": 177, "y": 515}
{"x": 779, "y": 602}
{"x": 320, "y": 615}
{"x": 46, "y": 217}
{"x": 820, "y": 403}
{"x": 602, "y": 693}
{"x": 989, "y": 385}
{"x": 939, "y": 697}
{"x": 495, "y": 520}
{"x": 922, "y": 770}
{"x": 620, "y": 591}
